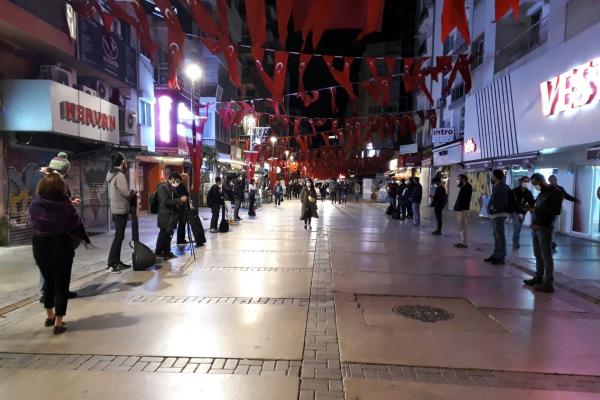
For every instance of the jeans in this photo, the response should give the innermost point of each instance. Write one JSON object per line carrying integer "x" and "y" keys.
{"x": 278, "y": 199}
{"x": 462, "y": 226}
{"x": 54, "y": 258}
{"x": 499, "y": 238}
{"x": 517, "y": 220}
{"x": 114, "y": 256}
{"x": 438, "y": 216}
{"x": 416, "y": 208}
{"x": 542, "y": 249}
{"x": 214, "y": 221}
{"x": 163, "y": 241}
{"x": 251, "y": 210}
{"x": 236, "y": 212}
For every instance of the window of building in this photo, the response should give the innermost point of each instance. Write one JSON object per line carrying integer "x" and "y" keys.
{"x": 477, "y": 49}
{"x": 145, "y": 113}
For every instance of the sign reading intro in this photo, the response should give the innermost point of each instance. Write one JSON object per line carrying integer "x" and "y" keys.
{"x": 442, "y": 135}
{"x": 572, "y": 89}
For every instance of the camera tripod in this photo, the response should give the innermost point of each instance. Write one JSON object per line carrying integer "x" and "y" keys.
{"x": 191, "y": 240}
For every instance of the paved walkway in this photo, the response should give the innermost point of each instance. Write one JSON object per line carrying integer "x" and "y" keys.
{"x": 361, "y": 307}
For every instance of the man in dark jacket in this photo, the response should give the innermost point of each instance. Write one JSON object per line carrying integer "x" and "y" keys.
{"x": 547, "y": 206}
{"x": 498, "y": 211}
{"x": 181, "y": 191}
{"x": 566, "y": 196}
{"x": 238, "y": 196}
{"x": 525, "y": 200}
{"x": 438, "y": 202}
{"x": 415, "y": 199}
{"x": 462, "y": 207}
{"x": 410, "y": 186}
{"x": 392, "y": 190}
{"x": 215, "y": 201}
{"x": 168, "y": 214}
{"x": 402, "y": 203}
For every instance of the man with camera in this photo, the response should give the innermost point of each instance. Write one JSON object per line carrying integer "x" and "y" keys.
{"x": 168, "y": 214}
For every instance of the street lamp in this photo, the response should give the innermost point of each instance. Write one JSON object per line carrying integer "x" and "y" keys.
{"x": 273, "y": 141}
{"x": 194, "y": 72}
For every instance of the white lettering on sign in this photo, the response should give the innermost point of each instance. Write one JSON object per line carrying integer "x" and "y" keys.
{"x": 442, "y": 135}
{"x": 572, "y": 89}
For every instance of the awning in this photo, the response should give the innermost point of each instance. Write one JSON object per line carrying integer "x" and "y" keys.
{"x": 525, "y": 159}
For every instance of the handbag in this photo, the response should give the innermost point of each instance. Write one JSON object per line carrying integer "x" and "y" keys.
{"x": 311, "y": 199}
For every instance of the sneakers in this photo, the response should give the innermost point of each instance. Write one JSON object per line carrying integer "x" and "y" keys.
{"x": 460, "y": 246}
{"x": 113, "y": 269}
{"x": 532, "y": 281}
{"x": 122, "y": 265}
{"x": 544, "y": 287}
{"x": 497, "y": 261}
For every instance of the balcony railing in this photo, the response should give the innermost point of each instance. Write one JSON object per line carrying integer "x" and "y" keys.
{"x": 526, "y": 42}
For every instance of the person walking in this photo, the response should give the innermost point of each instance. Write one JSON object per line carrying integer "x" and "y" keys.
{"x": 278, "y": 193}
{"x": 57, "y": 230}
{"x": 415, "y": 200}
{"x": 308, "y": 198}
{"x": 215, "y": 200}
{"x": 252, "y": 198}
{"x": 525, "y": 200}
{"x": 438, "y": 202}
{"x": 462, "y": 207}
{"x": 238, "y": 196}
{"x": 547, "y": 206}
{"x": 498, "y": 208}
{"x": 553, "y": 180}
{"x": 168, "y": 214}
{"x": 323, "y": 191}
{"x": 119, "y": 196}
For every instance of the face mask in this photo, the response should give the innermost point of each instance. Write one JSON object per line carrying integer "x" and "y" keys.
{"x": 538, "y": 187}
{"x": 524, "y": 185}
{"x": 175, "y": 184}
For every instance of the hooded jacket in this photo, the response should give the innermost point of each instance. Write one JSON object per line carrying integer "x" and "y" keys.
{"x": 118, "y": 191}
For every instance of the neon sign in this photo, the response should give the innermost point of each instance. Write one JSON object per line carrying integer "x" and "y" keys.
{"x": 573, "y": 89}
{"x": 470, "y": 146}
{"x": 164, "y": 118}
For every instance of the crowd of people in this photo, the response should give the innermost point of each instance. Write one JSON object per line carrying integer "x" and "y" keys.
{"x": 504, "y": 203}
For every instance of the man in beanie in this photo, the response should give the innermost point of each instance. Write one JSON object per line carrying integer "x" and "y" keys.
{"x": 119, "y": 195}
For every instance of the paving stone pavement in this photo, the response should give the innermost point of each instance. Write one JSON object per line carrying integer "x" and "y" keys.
{"x": 353, "y": 250}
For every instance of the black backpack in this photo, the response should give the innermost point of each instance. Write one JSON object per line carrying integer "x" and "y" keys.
{"x": 153, "y": 202}
{"x": 513, "y": 205}
{"x": 223, "y": 225}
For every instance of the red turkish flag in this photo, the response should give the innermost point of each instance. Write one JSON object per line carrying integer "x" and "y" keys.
{"x": 503, "y": 6}
{"x": 276, "y": 84}
{"x": 283, "y": 8}
{"x": 175, "y": 38}
{"x": 342, "y": 77}
{"x": 454, "y": 15}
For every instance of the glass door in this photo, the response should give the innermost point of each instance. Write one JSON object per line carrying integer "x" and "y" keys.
{"x": 586, "y": 213}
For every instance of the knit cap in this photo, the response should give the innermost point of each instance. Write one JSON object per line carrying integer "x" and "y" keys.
{"x": 60, "y": 163}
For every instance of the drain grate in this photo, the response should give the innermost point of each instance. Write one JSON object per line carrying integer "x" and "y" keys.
{"x": 423, "y": 313}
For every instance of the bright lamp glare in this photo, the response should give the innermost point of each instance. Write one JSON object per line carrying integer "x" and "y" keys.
{"x": 273, "y": 139}
{"x": 193, "y": 72}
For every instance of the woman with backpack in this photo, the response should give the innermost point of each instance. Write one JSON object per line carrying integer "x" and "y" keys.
{"x": 308, "y": 198}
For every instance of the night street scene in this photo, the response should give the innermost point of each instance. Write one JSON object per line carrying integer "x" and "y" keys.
{"x": 300, "y": 199}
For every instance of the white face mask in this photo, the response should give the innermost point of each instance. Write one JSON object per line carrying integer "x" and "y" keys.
{"x": 538, "y": 188}
{"x": 524, "y": 185}
{"x": 175, "y": 184}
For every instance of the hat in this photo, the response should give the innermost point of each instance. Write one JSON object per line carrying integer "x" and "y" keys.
{"x": 60, "y": 163}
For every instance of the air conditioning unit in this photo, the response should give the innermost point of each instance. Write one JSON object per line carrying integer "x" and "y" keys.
{"x": 60, "y": 74}
{"x": 102, "y": 90}
{"x": 86, "y": 89}
{"x": 128, "y": 122}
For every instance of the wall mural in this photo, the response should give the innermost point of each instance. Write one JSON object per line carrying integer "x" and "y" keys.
{"x": 481, "y": 189}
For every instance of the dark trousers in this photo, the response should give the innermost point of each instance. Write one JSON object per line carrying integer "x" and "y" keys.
{"x": 278, "y": 199}
{"x": 181, "y": 224}
{"x": 499, "y": 238}
{"x": 163, "y": 242}
{"x": 54, "y": 258}
{"x": 438, "y": 217}
{"x": 542, "y": 249}
{"x": 214, "y": 220}
{"x": 333, "y": 197}
{"x": 238, "y": 204}
{"x": 114, "y": 255}
{"x": 251, "y": 210}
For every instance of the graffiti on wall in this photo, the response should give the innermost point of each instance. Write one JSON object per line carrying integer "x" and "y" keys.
{"x": 21, "y": 188}
{"x": 481, "y": 187}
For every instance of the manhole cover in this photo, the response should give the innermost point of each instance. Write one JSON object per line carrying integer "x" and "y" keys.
{"x": 423, "y": 313}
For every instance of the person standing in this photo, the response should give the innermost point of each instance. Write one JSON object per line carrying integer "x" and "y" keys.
{"x": 168, "y": 214}
{"x": 229, "y": 198}
{"x": 462, "y": 207}
{"x": 392, "y": 191}
{"x": 357, "y": 191}
{"x": 181, "y": 191}
{"x": 438, "y": 202}
{"x": 498, "y": 212}
{"x": 547, "y": 206}
{"x": 402, "y": 199}
{"x": 57, "y": 230}
{"x": 333, "y": 192}
{"x": 252, "y": 198}
{"x": 238, "y": 195}
{"x": 215, "y": 200}
{"x": 525, "y": 200}
{"x": 119, "y": 195}
{"x": 566, "y": 196}
{"x": 323, "y": 191}
{"x": 415, "y": 200}
{"x": 410, "y": 186}
{"x": 308, "y": 198}
{"x": 278, "y": 193}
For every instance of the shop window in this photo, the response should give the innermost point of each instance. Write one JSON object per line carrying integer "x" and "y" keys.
{"x": 145, "y": 113}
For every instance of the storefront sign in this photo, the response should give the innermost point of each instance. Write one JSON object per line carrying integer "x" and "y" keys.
{"x": 442, "y": 135}
{"x": 412, "y": 160}
{"x": 409, "y": 148}
{"x": 86, "y": 116}
{"x": 572, "y": 89}
{"x": 107, "y": 51}
{"x": 470, "y": 146}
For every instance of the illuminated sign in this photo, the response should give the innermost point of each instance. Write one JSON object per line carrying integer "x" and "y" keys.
{"x": 470, "y": 146}
{"x": 442, "y": 135}
{"x": 572, "y": 89}
{"x": 86, "y": 116}
{"x": 164, "y": 118}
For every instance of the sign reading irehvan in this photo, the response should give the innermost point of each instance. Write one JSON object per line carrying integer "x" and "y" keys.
{"x": 572, "y": 89}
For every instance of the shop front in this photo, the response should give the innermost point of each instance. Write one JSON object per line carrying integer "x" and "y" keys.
{"x": 447, "y": 160}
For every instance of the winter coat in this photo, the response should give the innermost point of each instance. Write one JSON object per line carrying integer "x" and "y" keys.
{"x": 168, "y": 210}
{"x": 215, "y": 198}
{"x": 463, "y": 201}
{"x": 308, "y": 208}
{"x": 499, "y": 200}
{"x": 228, "y": 191}
{"x": 523, "y": 196}
{"x": 417, "y": 194}
{"x": 547, "y": 206}
{"x": 440, "y": 198}
{"x": 118, "y": 191}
